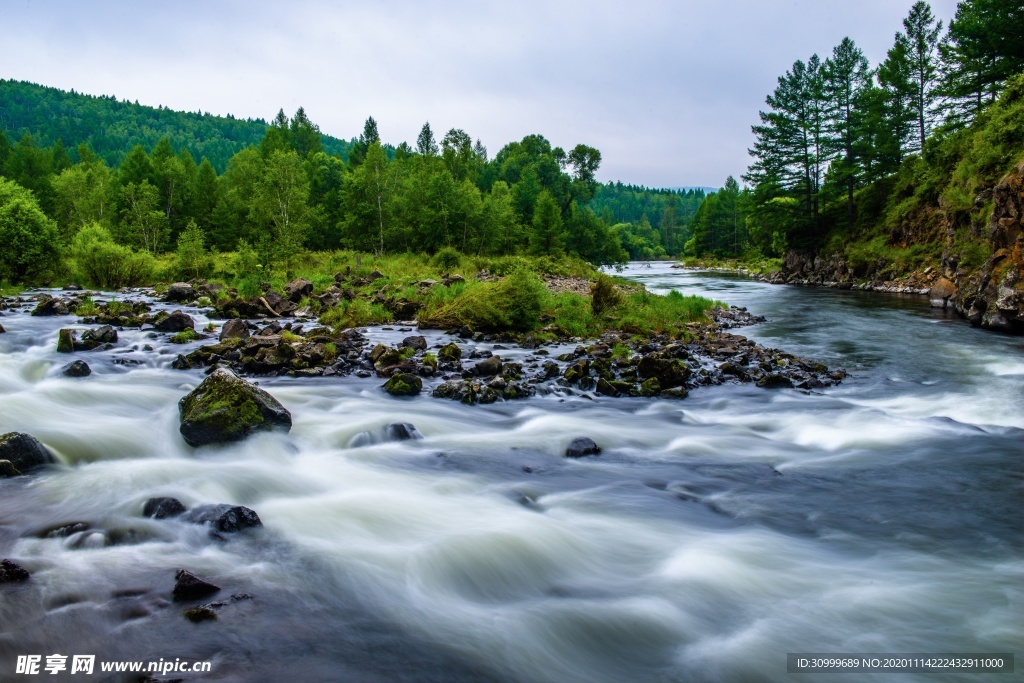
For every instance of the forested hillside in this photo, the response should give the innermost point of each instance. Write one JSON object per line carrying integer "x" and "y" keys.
{"x": 651, "y": 223}
{"x": 111, "y": 127}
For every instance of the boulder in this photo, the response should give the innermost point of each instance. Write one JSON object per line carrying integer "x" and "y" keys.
{"x": 51, "y": 306}
{"x": 226, "y": 408}
{"x": 403, "y": 384}
{"x": 298, "y": 288}
{"x": 234, "y": 329}
{"x": 101, "y": 335}
{"x": 162, "y": 508}
{"x": 180, "y": 291}
{"x": 12, "y": 573}
{"x": 401, "y": 431}
{"x": 581, "y": 447}
{"x": 223, "y": 517}
{"x": 188, "y": 586}
{"x": 78, "y": 368}
{"x": 2, "y": 330}
{"x": 417, "y": 342}
{"x": 775, "y": 381}
{"x": 940, "y": 293}
{"x": 175, "y": 322}
{"x": 488, "y": 368}
{"x": 24, "y": 451}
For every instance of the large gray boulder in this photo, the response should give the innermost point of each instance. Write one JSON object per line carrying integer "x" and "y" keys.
{"x": 24, "y": 452}
{"x": 226, "y": 408}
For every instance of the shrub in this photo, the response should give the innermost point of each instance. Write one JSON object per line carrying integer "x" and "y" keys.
{"x": 604, "y": 295}
{"x": 101, "y": 262}
{"x": 447, "y": 259}
{"x": 193, "y": 259}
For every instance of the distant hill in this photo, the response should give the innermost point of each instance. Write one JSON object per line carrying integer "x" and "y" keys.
{"x": 113, "y": 127}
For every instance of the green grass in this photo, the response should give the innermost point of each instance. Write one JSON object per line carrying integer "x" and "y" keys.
{"x": 87, "y": 307}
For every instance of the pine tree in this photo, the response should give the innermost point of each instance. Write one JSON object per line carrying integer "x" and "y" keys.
{"x": 922, "y": 44}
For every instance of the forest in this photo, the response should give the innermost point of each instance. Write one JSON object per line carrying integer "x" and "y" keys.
{"x": 856, "y": 159}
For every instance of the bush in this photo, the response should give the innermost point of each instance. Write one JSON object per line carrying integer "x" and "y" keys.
{"x": 447, "y": 259}
{"x": 193, "y": 259}
{"x": 604, "y": 295}
{"x": 100, "y": 262}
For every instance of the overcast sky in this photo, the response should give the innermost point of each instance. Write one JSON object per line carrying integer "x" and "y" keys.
{"x": 666, "y": 90}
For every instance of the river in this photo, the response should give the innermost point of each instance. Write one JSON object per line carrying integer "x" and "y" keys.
{"x": 710, "y": 538}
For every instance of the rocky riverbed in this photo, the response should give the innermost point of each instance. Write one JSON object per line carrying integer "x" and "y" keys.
{"x": 269, "y": 335}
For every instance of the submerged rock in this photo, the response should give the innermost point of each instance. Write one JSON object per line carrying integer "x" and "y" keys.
{"x": 24, "y": 451}
{"x": 162, "y": 508}
{"x": 200, "y": 614}
{"x": 226, "y": 408}
{"x": 402, "y": 431}
{"x": 11, "y": 572}
{"x": 78, "y": 368}
{"x": 223, "y": 517}
{"x": 582, "y": 446}
{"x": 188, "y": 586}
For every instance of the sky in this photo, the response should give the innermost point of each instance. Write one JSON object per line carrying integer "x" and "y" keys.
{"x": 667, "y": 91}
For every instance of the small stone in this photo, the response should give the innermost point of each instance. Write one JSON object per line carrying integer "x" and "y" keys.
{"x": 78, "y": 368}
{"x": 234, "y": 329}
{"x": 188, "y": 586}
{"x": 582, "y": 446}
{"x": 12, "y": 573}
{"x": 488, "y": 368}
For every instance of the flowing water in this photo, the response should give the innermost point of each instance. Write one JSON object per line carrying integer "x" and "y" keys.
{"x": 711, "y": 537}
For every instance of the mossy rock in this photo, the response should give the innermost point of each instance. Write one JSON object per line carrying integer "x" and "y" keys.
{"x": 200, "y": 614}
{"x": 226, "y": 408}
{"x": 650, "y": 387}
{"x": 24, "y": 452}
{"x": 449, "y": 353}
{"x": 65, "y": 340}
{"x": 404, "y": 384}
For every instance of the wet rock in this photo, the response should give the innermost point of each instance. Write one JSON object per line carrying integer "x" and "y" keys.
{"x": 101, "y": 335}
{"x": 24, "y": 451}
{"x": 401, "y": 431}
{"x": 162, "y": 508}
{"x": 65, "y": 340}
{"x": 223, "y": 517}
{"x": 7, "y": 469}
{"x": 487, "y": 368}
{"x": 2, "y": 330}
{"x": 78, "y": 368}
{"x": 200, "y": 614}
{"x": 180, "y": 291}
{"x": 11, "y": 572}
{"x": 72, "y": 288}
{"x": 175, "y": 322}
{"x": 188, "y": 586}
{"x": 51, "y": 306}
{"x": 675, "y": 393}
{"x": 227, "y": 408}
{"x": 404, "y": 384}
{"x": 64, "y": 530}
{"x": 298, "y": 288}
{"x": 234, "y": 329}
{"x": 582, "y": 446}
{"x": 775, "y": 381}
{"x": 668, "y": 371}
{"x": 416, "y": 342}
{"x": 940, "y": 293}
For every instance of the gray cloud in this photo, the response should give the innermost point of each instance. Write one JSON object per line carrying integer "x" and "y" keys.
{"x": 666, "y": 90}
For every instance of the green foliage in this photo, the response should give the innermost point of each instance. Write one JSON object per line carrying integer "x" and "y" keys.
{"x": 28, "y": 237}
{"x": 101, "y": 262}
{"x": 604, "y": 295}
{"x": 447, "y": 259}
{"x": 184, "y": 337}
{"x": 514, "y": 302}
{"x": 87, "y": 307}
{"x": 355, "y": 313}
{"x": 193, "y": 259}
{"x": 645, "y": 313}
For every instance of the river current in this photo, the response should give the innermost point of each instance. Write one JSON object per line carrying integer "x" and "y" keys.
{"x": 712, "y": 536}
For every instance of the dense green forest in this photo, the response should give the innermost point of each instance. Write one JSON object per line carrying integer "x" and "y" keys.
{"x": 287, "y": 193}
{"x": 651, "y": 223}
{"x": 111, "y": 127}
{"x": 856, "y": 160}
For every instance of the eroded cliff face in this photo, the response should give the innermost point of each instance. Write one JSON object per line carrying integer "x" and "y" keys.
{"x": 993, "y": 297}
